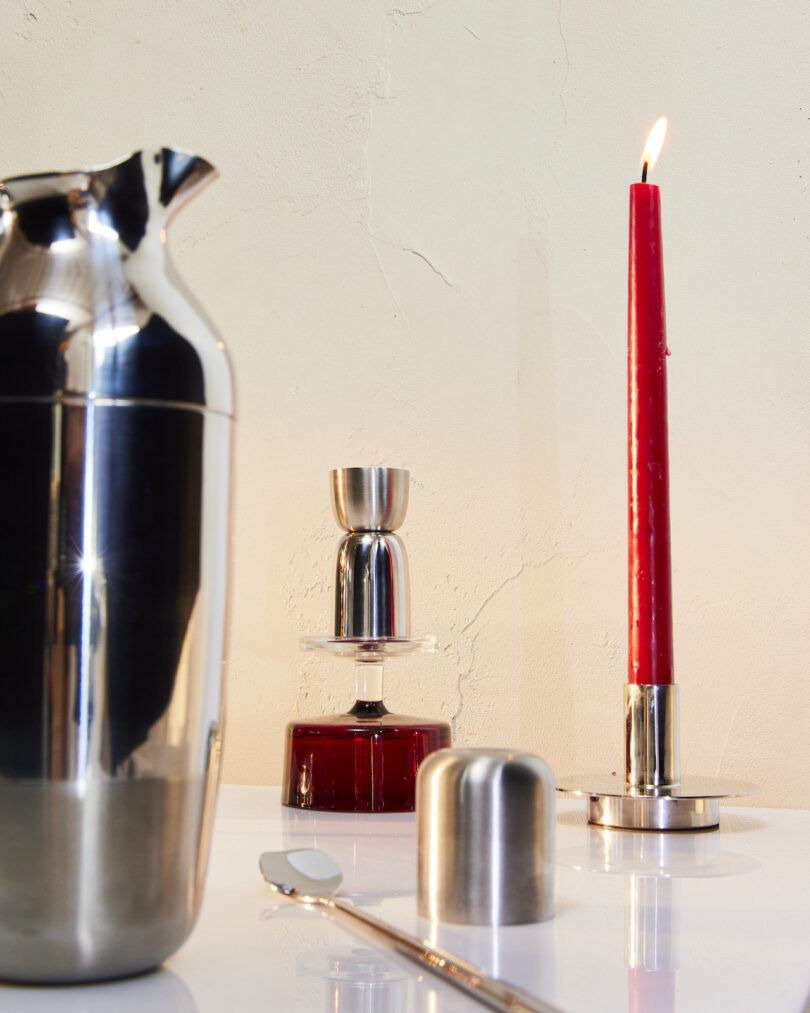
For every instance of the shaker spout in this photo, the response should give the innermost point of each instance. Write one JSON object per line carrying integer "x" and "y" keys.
{"x": 145, "y": 189}
{"x": 183, "y": 175}
{"x": 90, "y": 302}
{"x": 150, "y": 185}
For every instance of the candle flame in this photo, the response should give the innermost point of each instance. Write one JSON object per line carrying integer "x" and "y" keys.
{"x": 653, "y": 146}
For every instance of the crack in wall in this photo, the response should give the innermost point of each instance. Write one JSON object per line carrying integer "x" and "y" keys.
{"x": 459, "y": 688}
{"x": 301, "y": 696}
{"x": 400, "y": 13}
{"x": 491, "y": 596}
{"x": 416, "y": 253}
{"x": 504, "y": 583}
{"x": 430, "y": 264}
{"x": 386, "y": 279}
{"x": 379, "y": 91}
{"x": 189, "y": 242}
{"x": 467, "y": 673}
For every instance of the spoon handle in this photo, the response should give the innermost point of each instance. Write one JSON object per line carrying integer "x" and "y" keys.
{"x": 455, "y": 971}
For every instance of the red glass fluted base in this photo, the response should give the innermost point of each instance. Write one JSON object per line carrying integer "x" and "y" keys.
{"x": 361, "y": 762}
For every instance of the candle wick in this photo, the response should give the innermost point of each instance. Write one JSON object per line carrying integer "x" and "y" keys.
{"x": 644, "y": 172}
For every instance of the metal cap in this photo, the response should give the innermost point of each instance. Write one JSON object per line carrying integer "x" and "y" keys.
{"x": 369, "y": 499}
{"x": 372, "y": 594}
{"x": 485, "y": 828}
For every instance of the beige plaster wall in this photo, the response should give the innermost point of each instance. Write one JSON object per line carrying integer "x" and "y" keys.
{"x": 416, "y": 254}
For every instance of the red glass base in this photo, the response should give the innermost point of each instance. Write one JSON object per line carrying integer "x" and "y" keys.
{"x": 361, "y": 762}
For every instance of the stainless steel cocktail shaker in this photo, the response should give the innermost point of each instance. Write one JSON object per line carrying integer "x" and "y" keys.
{"x": 116, "y": 414}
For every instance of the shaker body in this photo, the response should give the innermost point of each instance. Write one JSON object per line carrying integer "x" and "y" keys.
{"x": 114, "y": 537}
{"x": 116, "y": 414}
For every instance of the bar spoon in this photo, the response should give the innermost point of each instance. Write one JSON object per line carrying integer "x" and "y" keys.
{"x": 311, "y": 877}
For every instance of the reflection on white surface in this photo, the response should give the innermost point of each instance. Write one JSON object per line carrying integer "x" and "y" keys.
{"x": 650, "y": 991}
{"x": 518, "y": 954}
{"x": 652, "y": 915}
{"x": 651, "y": 926}
{"x": 362, "y": 979}
{"x": 653, "y": 864}
{"x": 679, "y": 854}
{"x": 367, "y": 848}
{"x": 159, "y": 992}
{"x": 358, "y": 980}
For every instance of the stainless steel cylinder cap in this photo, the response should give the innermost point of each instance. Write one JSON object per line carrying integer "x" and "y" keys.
{"x": 485, "y": 830}
{"x": 369, "y": 499}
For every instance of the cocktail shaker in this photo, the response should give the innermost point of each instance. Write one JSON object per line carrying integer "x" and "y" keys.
{"x": 116, "y": 408}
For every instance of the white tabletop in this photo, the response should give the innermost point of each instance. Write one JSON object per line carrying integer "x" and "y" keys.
{"x": 648, "y": 923}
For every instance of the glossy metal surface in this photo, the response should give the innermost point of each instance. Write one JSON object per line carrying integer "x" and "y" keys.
{"x": 645, "y": 812}
{"x": 653, "y": 796}
{"x": 310, "y": 877}
{"x": 113, "y": 532}
{"x": 691, "y": 805}
{"x": 485, "y": 835}
{"x": 372, "y": 592}
{"x": 369, "y": 499}
{"x": 89, "y": 300}
{"x": 652, "y": 744}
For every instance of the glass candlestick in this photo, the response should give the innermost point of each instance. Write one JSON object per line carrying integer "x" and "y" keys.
{"x": 366, "y": 759}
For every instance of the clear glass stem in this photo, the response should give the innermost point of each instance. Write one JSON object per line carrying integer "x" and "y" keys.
{"x": 368, "y": 681}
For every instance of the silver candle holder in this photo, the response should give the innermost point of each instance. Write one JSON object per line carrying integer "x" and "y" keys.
{"x": 653, "y": 795}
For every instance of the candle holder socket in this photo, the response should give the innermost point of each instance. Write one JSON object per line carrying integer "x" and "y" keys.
{"x": 653, "y": 795}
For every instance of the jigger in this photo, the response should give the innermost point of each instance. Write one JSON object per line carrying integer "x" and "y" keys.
{"x": 372, "y": 598}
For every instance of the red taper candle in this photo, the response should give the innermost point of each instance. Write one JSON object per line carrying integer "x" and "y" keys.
{"x": 650, "y": 577}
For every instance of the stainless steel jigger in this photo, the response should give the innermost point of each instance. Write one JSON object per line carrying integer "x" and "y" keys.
{"x": 653, "y": 795}
{"x": 372, "y": 586}
{"x": 372, "y": 595}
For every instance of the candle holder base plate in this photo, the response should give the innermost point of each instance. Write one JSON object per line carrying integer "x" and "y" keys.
{"x": 692, "y": 804}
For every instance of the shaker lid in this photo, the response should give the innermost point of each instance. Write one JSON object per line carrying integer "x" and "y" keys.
{"x": 87, "y": 308}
